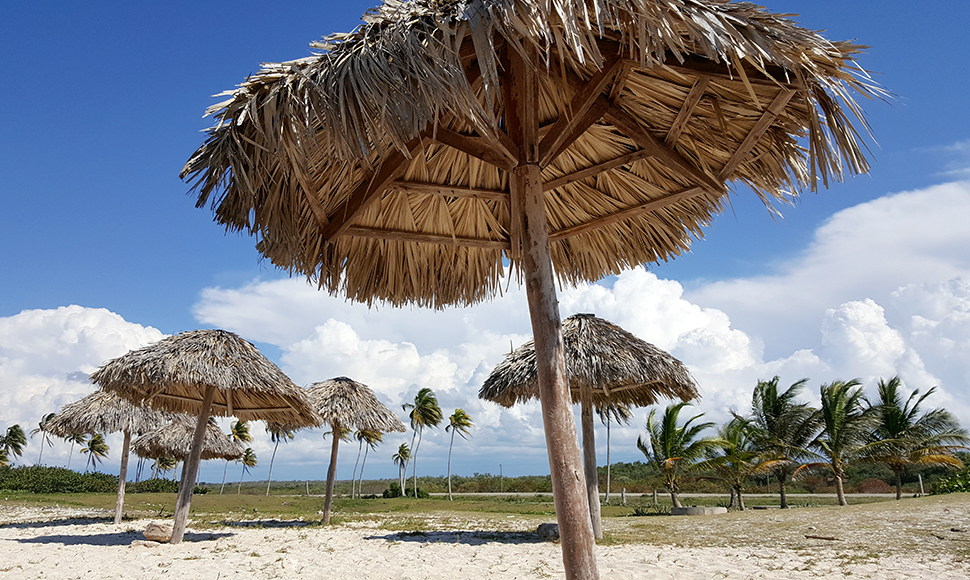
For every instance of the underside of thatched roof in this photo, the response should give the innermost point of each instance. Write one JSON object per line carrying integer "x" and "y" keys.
{"x": 104, "y": 412}
{"x": 175, "y": 440}
{"x": 173, "y": 373}
{"x": 380, "y": 167}
{"x": 611, "y": 364}
{"x": 346, "y": 403}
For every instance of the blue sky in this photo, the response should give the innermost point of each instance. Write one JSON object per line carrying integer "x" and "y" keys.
{"x": 103, "y": 102}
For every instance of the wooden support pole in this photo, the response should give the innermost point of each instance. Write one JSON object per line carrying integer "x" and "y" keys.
{"x": 190, "y": 467}
{"x": 589, "y": 465}
{"x": 122, "y": 478}
{"x": 331, "y": 472}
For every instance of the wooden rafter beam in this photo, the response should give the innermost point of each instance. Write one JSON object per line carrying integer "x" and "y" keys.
{"x": 452, "y": 191}
{"x": 628, "y": 213}
{"x": 759, "y": 129}
{"x": 441, "y": 239}
{"x": 370, "y": 189}
{"x": 687, "y": 109}
{"x": 479, "y": 147}
{"x": 596, "y": 169}
{"x": 583, "y": 113}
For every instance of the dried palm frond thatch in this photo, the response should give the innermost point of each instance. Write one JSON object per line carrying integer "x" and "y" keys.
{"x": 105, "y": 412}
{"x": 380, "y": 167}
{"x": 205, "y": 372}
{"x": 175, "y": 440}
{"x": 606, "y": 366}
{"x": 344, "y": 404}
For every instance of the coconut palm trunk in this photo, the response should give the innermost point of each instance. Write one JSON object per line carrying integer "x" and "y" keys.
{"x": 362, "y": 463}
{"x": 451, "y": 446}
{"x": 607, "y": 500}
{"x": 414, "y": 463}
{"x": 353, "y": 478}
{"x": 224, "y": 472}
{"x": 269, "y": 478}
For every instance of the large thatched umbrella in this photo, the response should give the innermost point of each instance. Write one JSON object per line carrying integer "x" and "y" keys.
{"x": 343, "y": 403}
{"x": 104, "y": 412}
{"x": 205, "y": 372}
{"x": 413, "y": 158}
{"x": 175, "y": 440}
{"x": 606, "y": 366}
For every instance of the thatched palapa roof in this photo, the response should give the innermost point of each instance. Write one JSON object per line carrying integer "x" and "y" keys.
{"x": 172, "y": 374}
{"x": 380, "y": 166}
{"x": 175, "y": 440}
{"x": 612, "y": 364}
{"x": 104, "y": 412}
{"x": 348, "y": 404}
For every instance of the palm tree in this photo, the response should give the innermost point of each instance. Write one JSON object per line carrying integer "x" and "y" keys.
{"x": 75, "y": 439}
{"x": 459, "y": 422}
{"x": 238, "y": 431}
{"x": 781, "y": 429}
{"x": 248, "y": 461}
{"x": 846, "y": 427}
{"x": 904, "y": 438}
{"x": 621, "y": 414}
{"x": 12, "y": 444}
{"x": 737, "y": 460}
{"x": 96, "y": 449}
{"x": 673, "y": 449}
{"x": 163, "y": 465}
{"x": 401, "y": 459}
{"x": 276, "y": 434}
{"x": 372, "y": 439}
{"x": 425, "y": 412}
{"x": 45, "y": 437}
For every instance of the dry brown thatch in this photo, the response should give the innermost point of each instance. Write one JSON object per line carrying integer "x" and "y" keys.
{"x": 104, "y": 412}
{"x": 347, "y": 404}
{"x": 172, "y": 374}
{"x": 613, "y": 364}
{"x": 380, "y": 167}
{"x": 175, "y": 440}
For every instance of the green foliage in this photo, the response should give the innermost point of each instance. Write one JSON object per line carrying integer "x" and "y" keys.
{"x": 394, "y": 490}
{"x": 40, "y": 479}
{"x": 958, "y": 482}
{"x": 201, "y": 490}
{"x": 153, "y": 486}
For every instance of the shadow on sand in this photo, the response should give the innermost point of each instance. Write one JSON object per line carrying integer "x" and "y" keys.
{"x": 57, "y": 523}
{"x": 112, "y": 538}
{"x": 467, "y": 537}
{"x": 270, "y": 523}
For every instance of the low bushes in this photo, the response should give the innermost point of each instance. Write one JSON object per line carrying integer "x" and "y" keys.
{"x": 41, "y": 479}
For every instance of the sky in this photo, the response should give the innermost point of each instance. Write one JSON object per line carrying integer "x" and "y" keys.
{"x": 104, "y": 250}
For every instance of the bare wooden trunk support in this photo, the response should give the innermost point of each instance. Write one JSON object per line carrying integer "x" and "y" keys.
{"x": 122, "y": 477}
{"x": 562, "y": 443}
{"x": 190, "y": 467}
{"x": 589, "y": 463}
{"x": 331, "y": 473}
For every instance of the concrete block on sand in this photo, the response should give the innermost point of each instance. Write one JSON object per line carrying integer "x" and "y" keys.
{"x": 697, "y": 511}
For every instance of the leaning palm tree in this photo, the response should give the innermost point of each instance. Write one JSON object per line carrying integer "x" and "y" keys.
{"x": 248, "y": 461}
{"x": 372, "y": 439}
{"x": 12, "y": 443}
{"x": 846, "y": 427}
{"x": 362, "y": 436}
{"x": 163, "y": 465}
{"x": 45, "y": 438}
{"x": 96, "y": 449}
{"x": 425, "y": 412}
{"x": 75, "y": 439}
{"x": 620, "y": 413}
{"x": 277, "y": 434}
{"x": 459, "y": 422}
{"x": 672, "y": 448}
{"x": 239, "y": 432}
{"x": 781, "y": 429}
{"x": 736, "y": 460}
{"x": 401, "y": 459}
{"x": 905, "y": 438}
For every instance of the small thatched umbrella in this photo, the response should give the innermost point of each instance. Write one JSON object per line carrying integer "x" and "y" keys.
{"x": 175, "y": 440}
{"x": 104, "y": 412}
{"x": 204, "y": 372}
{"x": 606, "y": 365}
{"x": 412, "y": 160}
{"x": 343, "y": 403}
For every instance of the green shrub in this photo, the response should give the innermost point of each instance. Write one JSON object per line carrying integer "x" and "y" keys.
{"x": 959, "y": 481}
{"x": 154, "y": 486}
{"x": 394, "y": 490}
{"x": 41, "y": 479}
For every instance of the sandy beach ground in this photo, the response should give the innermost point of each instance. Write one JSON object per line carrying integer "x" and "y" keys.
{"x": 913, "y": 538}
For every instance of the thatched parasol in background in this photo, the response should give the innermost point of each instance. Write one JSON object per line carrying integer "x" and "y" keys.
{"x": 413, "y": 158}
{"x": 175, "y": 440}
{"x": 205, "y": 372}
{"x": 606, "y": 366}
{"x": 343, "y": 403}
{"x": 104, "y": 412}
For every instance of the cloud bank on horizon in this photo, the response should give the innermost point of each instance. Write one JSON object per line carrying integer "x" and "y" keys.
{"x": 884, "y": 289}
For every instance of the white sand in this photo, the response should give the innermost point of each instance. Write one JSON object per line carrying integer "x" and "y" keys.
{"x": 74, "y": 548}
